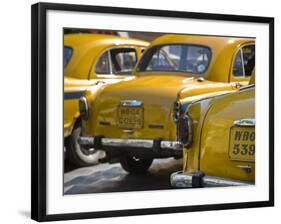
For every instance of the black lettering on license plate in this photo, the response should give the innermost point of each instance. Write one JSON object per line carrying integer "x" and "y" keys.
{"x": 242, "y": 144}
{"x": 244, "y": 135}
{"x": 243, "y": 149}
{"x": 130, "y": 117}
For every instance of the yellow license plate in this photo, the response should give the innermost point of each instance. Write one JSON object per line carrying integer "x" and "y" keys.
{"x": 242, "y": 144}
{"x": 130, "y": 117}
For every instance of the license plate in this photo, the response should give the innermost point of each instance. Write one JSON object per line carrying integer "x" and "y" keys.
{"x": 130, "y": 117}
{"x": 242, "y": 144}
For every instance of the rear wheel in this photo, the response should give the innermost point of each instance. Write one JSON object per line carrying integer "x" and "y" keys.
{"x": 77, "y": 155}
{"x": 135, "y": 165}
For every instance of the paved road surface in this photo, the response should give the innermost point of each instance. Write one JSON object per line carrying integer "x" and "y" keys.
{"x": 112, "y": 178}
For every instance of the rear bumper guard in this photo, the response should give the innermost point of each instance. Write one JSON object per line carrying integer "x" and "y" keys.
{"x": 198, "y": 179}
{"x": 101, "y": 142}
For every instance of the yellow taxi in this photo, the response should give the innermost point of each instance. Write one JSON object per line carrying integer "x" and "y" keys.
{"x": 92, "y": 60}
{"x": 143, "y": 118}
{"x": 220, "y": 148}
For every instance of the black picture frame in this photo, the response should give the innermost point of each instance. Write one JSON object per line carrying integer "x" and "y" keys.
{"x": 38, "y": 109}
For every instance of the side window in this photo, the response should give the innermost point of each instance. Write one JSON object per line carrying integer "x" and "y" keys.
{"x": 103, "y": 65}
{"x": 67, "y": 54}
{"x": 249, "y": 59}
{"x": 238, "y": 65}
{"x": 244, "y": 62}
{"x": 123, "y": 60}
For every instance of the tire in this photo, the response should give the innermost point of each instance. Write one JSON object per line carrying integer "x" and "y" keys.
{"x": 77, "y": 155}
{"x": 135, "y": 165}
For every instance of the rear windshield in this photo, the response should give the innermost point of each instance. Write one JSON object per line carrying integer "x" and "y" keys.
{"x": 176, "y": 57}
{"x": 67, "y": 53}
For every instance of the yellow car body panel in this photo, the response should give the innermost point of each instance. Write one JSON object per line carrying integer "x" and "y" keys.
{"x": 211, "y": 148}
{"x": 157, "y": 106}
{"x": 79, "y": 73}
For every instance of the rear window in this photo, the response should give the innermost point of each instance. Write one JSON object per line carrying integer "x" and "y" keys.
{"x": 176, "y": 57}
{"x": 67, "y": 53}
{"x": 117, "y": 61}
{"x": 123, "y": 61}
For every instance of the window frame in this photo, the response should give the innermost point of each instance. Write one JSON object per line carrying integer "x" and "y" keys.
{"x": 109, "y": 61}
{"x": 242, "y": 57}
{"x": 111, "y": 74}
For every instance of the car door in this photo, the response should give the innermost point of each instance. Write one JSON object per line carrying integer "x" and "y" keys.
{"x": 228, "y": 137}
{"x": 74, "y": 87}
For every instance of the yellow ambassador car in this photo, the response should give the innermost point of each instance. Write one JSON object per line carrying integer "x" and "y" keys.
{"x": 144, "y": 118}
{"x": 92, "y": 60}
{"x": 221, "y": 142}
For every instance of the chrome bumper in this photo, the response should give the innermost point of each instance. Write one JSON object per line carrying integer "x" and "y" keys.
{"x": 189, "y": 180}
{"x": 133, "y": 143}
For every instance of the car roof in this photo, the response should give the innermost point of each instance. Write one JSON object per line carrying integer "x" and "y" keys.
{"x": 214, "y": 42}
{"x": 88, "y": 47}
{"x": 84, "y": 39}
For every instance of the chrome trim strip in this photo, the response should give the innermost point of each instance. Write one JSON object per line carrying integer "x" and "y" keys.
{"x": 141, "y": 143}
{"x": 86, "y": 140}
{"x": 131, "y": 103}
{"x": 83, "y": 107}
{"x": 247, "y": 87}
{"x": 217, "y": 182}
{"x": 245, "y": 122}
{"x": 176, "y": 145}
{"x": 190, "y": 131}
{"x": 184, "y": 180}
{"x": 138, "y": 143}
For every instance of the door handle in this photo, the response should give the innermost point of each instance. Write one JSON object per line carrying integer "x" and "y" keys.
{"x": 246, "y": 168}
{"x": 100, "y": 82}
